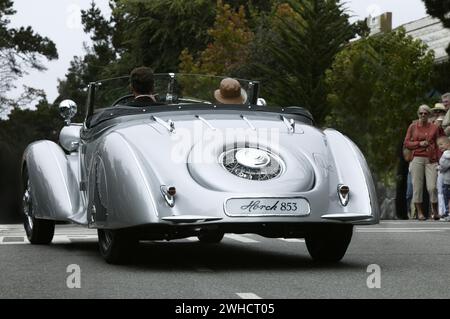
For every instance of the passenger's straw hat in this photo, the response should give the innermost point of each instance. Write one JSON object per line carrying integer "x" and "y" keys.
{"x": 229, "y": 92}
{"x": 438, "y": 107}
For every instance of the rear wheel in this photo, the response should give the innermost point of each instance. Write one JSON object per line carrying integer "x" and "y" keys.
{"x": 211, "y": 237}
{"x": 39, "y": 231}
{"x": 115, "y": 246}
{"x": 329, "y": 242}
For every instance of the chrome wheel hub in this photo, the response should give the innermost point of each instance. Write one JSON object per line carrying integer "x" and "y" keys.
{"x": 252, "y": 158}
{"x": 27, "y": 205}
{"x": 252, "y": 163}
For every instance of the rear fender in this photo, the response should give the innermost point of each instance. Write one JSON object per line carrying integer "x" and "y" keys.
{"x": 54, "y": 182}
{"x": 123, "y": 186}
{"x": 352, "y": 170}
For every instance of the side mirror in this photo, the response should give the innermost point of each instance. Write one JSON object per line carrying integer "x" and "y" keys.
{"x": 261, "y": 102}
{"x": 67, "y": 109}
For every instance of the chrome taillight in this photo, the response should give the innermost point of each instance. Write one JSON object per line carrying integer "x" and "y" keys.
{"x": 343, "y": 194}
{"x": 168, "y": 192}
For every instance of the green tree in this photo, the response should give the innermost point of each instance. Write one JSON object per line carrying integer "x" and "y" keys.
{"x": 229, "y": 49}
{"x": 154, "y": 33}
{"x": 304, "y": 39}
{"x": 440, "y": 80}
{"x": 94, "y": 65}
{"x": 376, "y": 85}
{"x": 21, "y": 128}
{"x": 361, "y": 28}
{"x": 21, "y": 49}
{"x": 439, "y": 9}
{"x": 151, "y": 33}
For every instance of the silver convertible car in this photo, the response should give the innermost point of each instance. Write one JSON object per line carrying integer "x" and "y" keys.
{"x": 188, "y": 166}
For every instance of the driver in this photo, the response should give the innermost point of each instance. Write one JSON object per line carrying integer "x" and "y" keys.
{"x": 142, "y": 85}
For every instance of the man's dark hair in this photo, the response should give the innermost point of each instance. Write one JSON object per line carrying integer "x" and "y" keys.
{"x": 141, "y": 80}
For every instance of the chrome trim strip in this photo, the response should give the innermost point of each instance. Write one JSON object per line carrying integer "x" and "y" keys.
{"x": 248, "y": 122}
{"x": 266, "y": 215}
{"x": 346, "y": 217}
{"x": 169, "y": 125}
{"x": 190, "y": 218}
{"x": 205, "y": 122}
{"x": 289, "y": 123}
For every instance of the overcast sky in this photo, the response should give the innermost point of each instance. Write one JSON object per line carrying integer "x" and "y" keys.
{"x": 60, "y": 21}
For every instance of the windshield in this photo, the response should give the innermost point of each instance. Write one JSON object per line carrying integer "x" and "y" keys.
{"x": 170, "y": 88}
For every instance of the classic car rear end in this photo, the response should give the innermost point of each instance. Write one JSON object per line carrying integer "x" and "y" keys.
{"x": 192, "y": 168}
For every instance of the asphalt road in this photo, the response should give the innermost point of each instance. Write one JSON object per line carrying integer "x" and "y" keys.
{"x": 413, "y": 260}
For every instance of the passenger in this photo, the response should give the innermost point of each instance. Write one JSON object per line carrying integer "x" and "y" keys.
{"x": 230, "y": 92}
{"x": 421, "y": 139}
{"x": 142, "y": 86}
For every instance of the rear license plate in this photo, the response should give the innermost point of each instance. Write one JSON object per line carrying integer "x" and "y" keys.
{"x": 267, "y": 206}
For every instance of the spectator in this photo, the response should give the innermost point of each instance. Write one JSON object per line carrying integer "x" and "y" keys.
{"x": 445, "y": 98}
{"x": 421, "y": 139}
{"x": 438, "y": 113}
{"x": 412, "y": 214}
{"x": 411, "y": 211}
{"x": 443, "y": 143}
